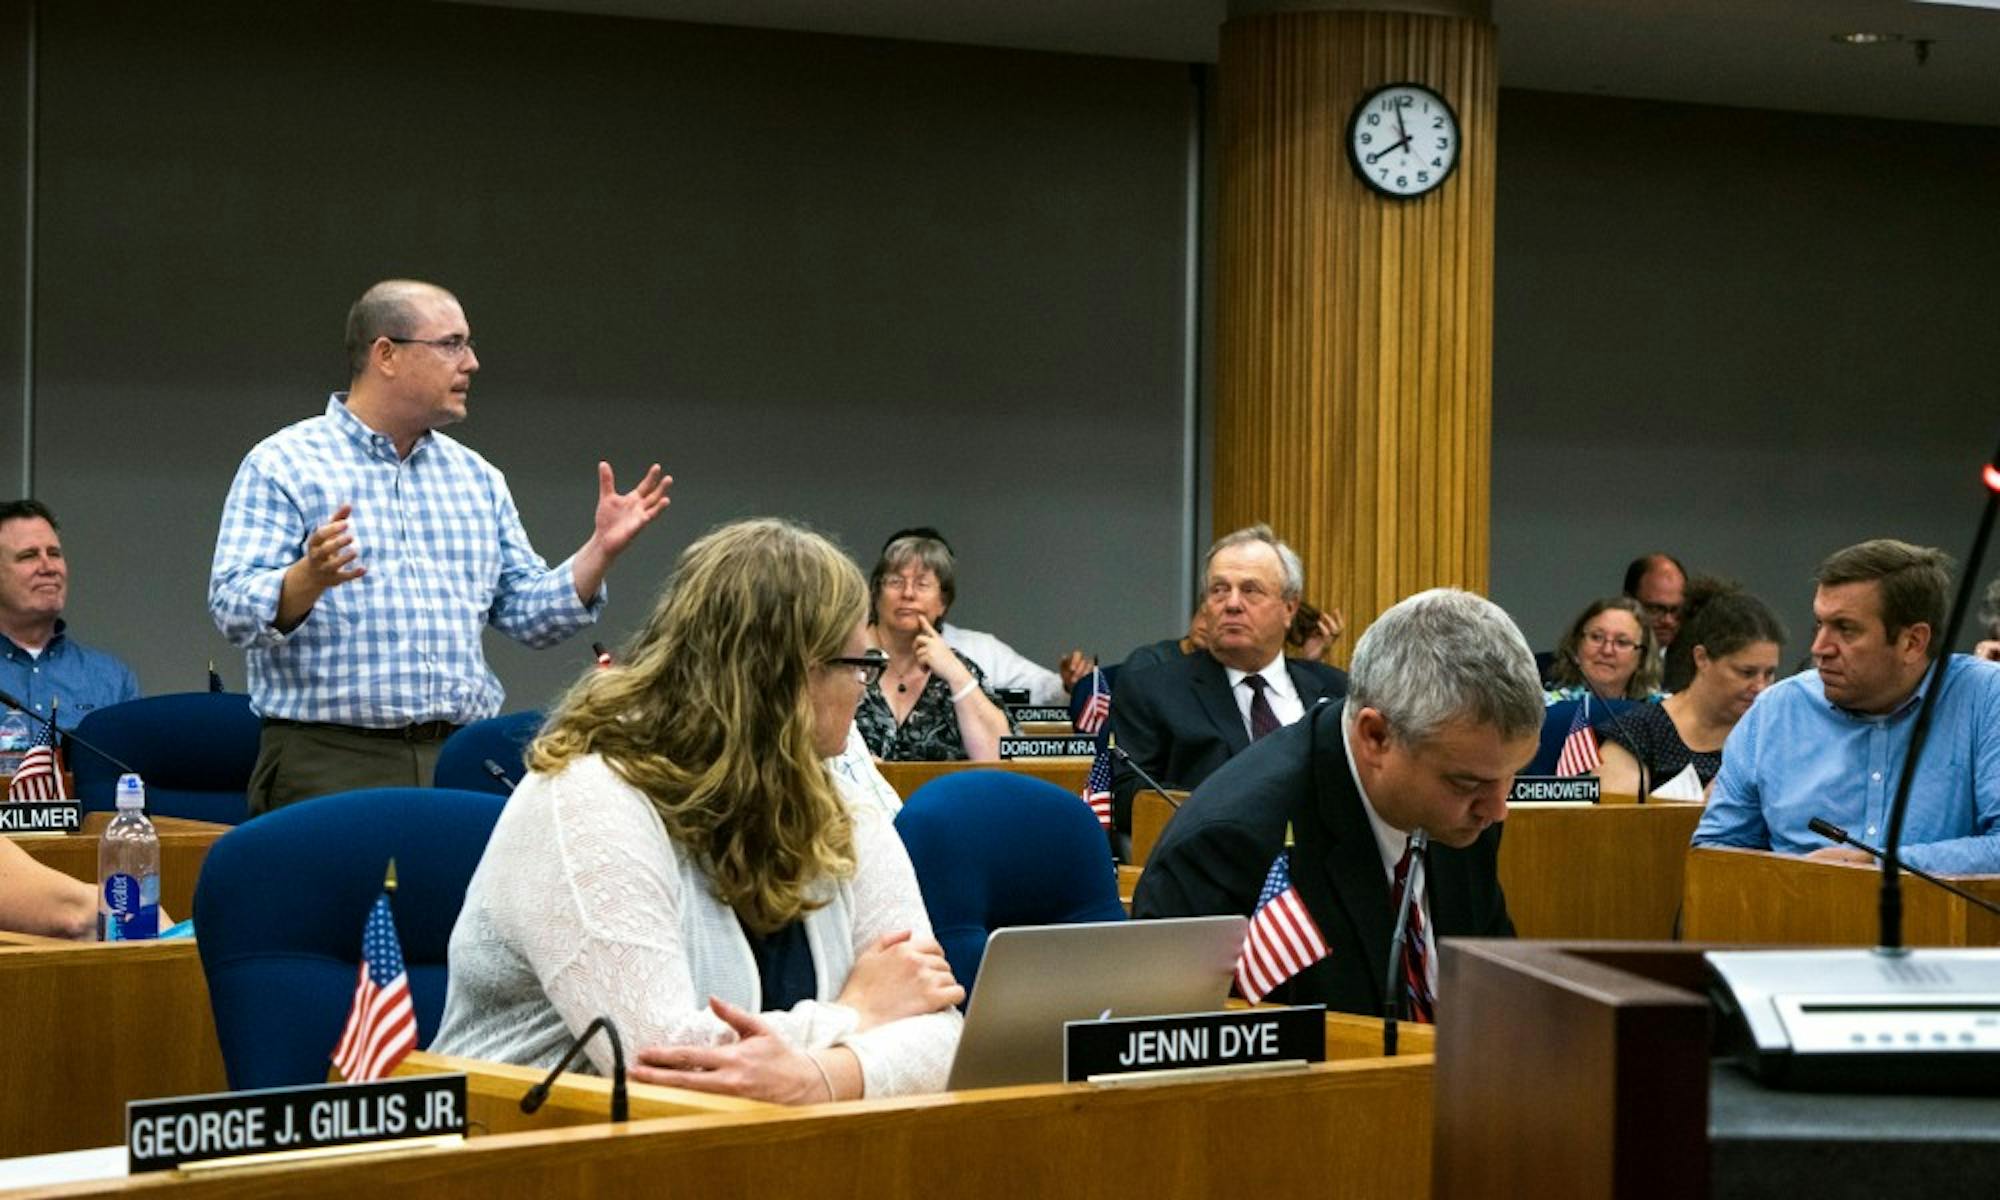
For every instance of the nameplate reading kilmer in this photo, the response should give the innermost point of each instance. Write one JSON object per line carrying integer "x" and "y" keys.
{"x": 1179, "y": 1043}
{"x": 1560, "y": 789}
{"x": 41, "y": 816}
{"x": 163, "y": 1134}
{"x": 1078, "y": 746}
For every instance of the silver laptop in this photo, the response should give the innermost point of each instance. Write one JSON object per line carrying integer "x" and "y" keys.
{"x": 1035, "y": 977}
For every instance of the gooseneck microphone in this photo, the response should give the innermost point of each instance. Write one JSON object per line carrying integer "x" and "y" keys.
{"x": 1394, "y": 987}
{"x": 1834, "y": 833}
{"x": 494, "y": 769}
{"x": 1151, "y": 783}
{"x": 50, "y": 721}
{"x": 1892, "y": 890}
{"x": 540, "y": 1092}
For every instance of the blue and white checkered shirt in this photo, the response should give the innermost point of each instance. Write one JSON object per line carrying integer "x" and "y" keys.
{"x": 445, "y": 555}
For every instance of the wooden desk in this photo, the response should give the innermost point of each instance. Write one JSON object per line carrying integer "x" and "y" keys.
{"x": 1066, "y": 773}
{"x": 1610, "y": 870}
{"x": 1755, "y": 896}
{"x": 90, "y": 1026}
{"x": 1355, "y": 1128}
{"x": 183, "y": 846}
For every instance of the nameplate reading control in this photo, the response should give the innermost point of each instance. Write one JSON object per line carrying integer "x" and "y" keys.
{"x": 41, "y": 816}
{"x": 1012, "y": 696}
{"x": 1080, "y": 746}
{"x": 161, "y": 1135}
{"x": 1038, "y": 712}
{"x": 1197, "y": 1040}
{"x": 1558, "y": 789}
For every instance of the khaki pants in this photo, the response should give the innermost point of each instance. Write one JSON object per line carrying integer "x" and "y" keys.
{"x": 299, "y": 762}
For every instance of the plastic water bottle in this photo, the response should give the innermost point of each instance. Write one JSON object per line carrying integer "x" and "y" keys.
{"x": 128, "y": 869}
{"x": 15, "y": 734}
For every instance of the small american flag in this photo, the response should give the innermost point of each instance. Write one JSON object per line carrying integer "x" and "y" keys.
{"x": 1097, "y": 787}
{"x": 1097, "y": 709}
{"x": 39, "y": 777}
{"x": 1283, "y": 938}
{"x": 1579, "y": 752}
{"x": 382, "y": 1026}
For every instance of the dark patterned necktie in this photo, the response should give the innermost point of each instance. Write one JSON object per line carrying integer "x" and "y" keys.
{"x": 1416, "y": 959}
{"x": 1263, "y": 719}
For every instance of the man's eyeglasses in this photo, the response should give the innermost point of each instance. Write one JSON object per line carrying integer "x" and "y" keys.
{"x": 870, "y": 665}
{"x": 1617, "y": 641}
{"x": 454, "y": 346}
{"x": 1653, "y": 612}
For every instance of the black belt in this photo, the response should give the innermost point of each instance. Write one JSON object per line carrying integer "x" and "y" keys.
{"x": 422, "y": 731}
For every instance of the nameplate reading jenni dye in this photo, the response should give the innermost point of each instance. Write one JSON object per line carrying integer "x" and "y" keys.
{"x": 1038, "y": 712}
{"x": 1177, "y": 1043}
{"x": 1559, "y": 789}
{"x": 41, "y": 816}
{"x": 163, "y": 1134}
{"x": 1077, "y": 746}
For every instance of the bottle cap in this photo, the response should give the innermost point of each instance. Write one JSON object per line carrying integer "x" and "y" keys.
{"x": 131, "y": 792}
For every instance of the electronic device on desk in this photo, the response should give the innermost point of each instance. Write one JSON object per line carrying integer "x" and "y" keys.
{"x": 1886, "y": 1019}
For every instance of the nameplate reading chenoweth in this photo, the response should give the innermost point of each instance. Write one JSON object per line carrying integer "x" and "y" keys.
{"x": 41, "y": 816}
{"x": 1076, "y": 746}
{"x": 1195, "y": 1040}
{"x": 1556, "y": 789}
{"x": 161, "y": 1135}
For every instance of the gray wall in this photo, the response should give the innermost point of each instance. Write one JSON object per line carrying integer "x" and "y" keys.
{"x": 864, "y": 283}
{"x": 871, "y": 283}
{"x": 1748, "y": 338}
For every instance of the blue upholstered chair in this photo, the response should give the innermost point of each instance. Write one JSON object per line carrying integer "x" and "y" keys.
{"x": 504, "y": 739}
{"x": 993, "y": 848}
{"x": 195, "y": 750}
{"x": 280, "y": 908}
{"x": 1555, "y": 729}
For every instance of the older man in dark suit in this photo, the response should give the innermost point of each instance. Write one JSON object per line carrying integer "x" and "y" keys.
{"x": 1180, "y": 720}
{"x": 1443, "y": 708}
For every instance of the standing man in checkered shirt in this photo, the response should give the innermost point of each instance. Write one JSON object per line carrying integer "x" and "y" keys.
{"x": 363, "y": 552}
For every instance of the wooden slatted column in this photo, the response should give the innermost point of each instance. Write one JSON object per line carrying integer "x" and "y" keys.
{"x": 1354, "y": 332}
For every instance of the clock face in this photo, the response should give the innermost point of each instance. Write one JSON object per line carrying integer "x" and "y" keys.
{"x": 1403, "y": 140}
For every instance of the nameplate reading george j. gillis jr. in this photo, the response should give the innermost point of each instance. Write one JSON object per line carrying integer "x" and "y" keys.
{"x": 1039, "y": 713}
{"x": 161, "y": 1135}
{"x": 1193, "y": 1041}
{"x": 1078, "y": 746}
{"x": 1559, "y": 789}
{"x": 41, "y": 816}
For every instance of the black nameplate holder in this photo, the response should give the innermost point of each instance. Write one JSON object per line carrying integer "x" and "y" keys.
{"x": 1556, "y": 789}
{"x": 1252, "y": 1039}
{"x": 1009, "y": 697}
{"x": 1039, "y": 713}
{"x": 1073, "y": 746}
{"x": 164, "y": 1135}
{"x": 41, "y": 816}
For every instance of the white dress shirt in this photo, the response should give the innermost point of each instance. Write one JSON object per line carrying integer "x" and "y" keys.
{"x": 1284, "y": 697}
{"x": 1390, "y": 842}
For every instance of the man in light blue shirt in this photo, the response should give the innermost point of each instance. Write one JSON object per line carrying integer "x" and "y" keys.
{"x": 1831, "y": 742}
{"x": 40, "y": 664}
{"x": 362, "y": 554}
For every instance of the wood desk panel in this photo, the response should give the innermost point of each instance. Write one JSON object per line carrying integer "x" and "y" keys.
{"x": 183, "y": 847}
{"x": 1596, "y": 870}
{"x": 1757, "y": 897}
{"x": 1066, "y": 773}
{"x": 1357, "y": 1129}
{"x": 90, "y": 1026}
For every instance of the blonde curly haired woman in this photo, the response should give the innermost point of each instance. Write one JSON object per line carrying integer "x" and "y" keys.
{"x": 680, "y": 859}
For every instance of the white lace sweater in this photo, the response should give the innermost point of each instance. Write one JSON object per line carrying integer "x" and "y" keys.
{"x": 582, "y": 906}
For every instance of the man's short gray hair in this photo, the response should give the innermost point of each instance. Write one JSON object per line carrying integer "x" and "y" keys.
{"x": 1294, "y": 584}
{"x": 1443, "y": 656}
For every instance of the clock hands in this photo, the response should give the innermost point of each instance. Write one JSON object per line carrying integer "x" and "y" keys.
{"x": 1376, "y": 157}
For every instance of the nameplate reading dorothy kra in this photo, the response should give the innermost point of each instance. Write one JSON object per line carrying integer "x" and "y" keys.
{"x": 1559, "y": 789}
{"x": 1179, "y": 1043}
{"x": 41, "y": 816}
{"x": 163, "y": 1134}
{"x": 1077, "y": 746}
